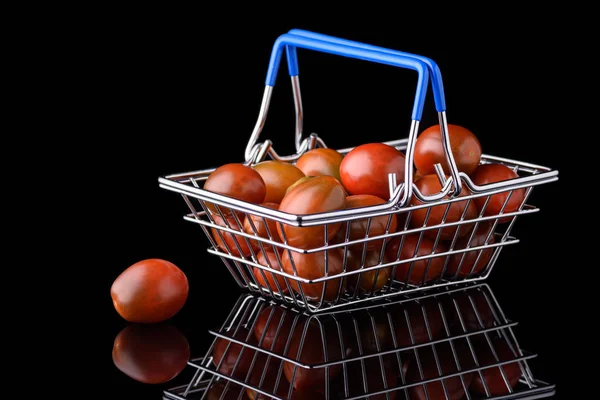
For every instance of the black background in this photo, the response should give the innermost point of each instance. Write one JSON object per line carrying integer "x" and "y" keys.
{"x": 172, "y": 96}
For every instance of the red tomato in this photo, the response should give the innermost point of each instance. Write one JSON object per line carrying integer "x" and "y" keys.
{"x": 237, "y": 245}
{"x": 409, "y": 250}
{"x": 311, "y": 354}
{"x": 226, "y": 354}
{"x": 372, "y": 381}
{"x": 278, "y": 176}
{"x": 151, "y": 290}
{"x": 270, "y": 261}
{"x": 378, "y": 226}
{"x": 320, "y": 161}
{"x": 429, "y": 185}
{"x": 151, "y": 353}
{"x": 429, "y": 150}
{"x": 475, "y": 311}
{"x": 418, "y": 322}
{"x": 492, "y": 376}
{"x": 238, "y": 181}
{"x": 315, "y": 195}
{"x": 312, "y": 266}
{"x": 466, "y": 261}
{"x": 275, "y": 324}
{"x": 255, "y": 225}
{"x": 370, "y": 281}
{"x": 365, "y": 169}
{"x": 490, "y": 173}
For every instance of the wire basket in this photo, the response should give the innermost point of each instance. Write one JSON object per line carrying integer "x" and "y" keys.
{"x": 407, "y": 245}
{"x": 454, "y": 343}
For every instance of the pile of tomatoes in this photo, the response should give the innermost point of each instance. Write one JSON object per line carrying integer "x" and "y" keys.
{"x": 323, "y": 180}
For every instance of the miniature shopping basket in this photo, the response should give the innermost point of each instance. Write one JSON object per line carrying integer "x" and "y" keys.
{"x": 431, "y": 261}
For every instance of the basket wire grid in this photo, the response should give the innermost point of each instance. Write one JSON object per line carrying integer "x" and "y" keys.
{"x": 452, "y": 343}
{"x": 436, "y": 249}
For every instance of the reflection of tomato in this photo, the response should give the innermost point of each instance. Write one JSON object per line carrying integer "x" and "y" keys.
{"x": 418, "y": 322}
{"x": 312, "y": 353}
{"x": 312, "y": 266}
{"x": 278, "y": 176}
{"x": 373, "y": 328}
{"x": 269, "y": 261}
{"x": 429, "y": 150}
{"x": 320, "y": 161}
{"x": 236, "y": 244}
{"x": 372, "y": 370}
{"x": 151, "y": 353}
{"x": 314, "y": 195}
{"x": 255, "y": 225}
{"x": 466, "y": 261}
{"x": 151, "y": 290}
{"x": 365, "y": 169}
{"x": 429, "y": 185}
{"x": 264, "y": 377}
{"x": 238, "y": 181}
{"x": 492, "y": 376}
{"x": 370, "y": 281}
{"x": 490, "y": 173}
{"x": 433, "y": 266}
{"x": 275, "y": 331}
{"x": 475, "y": 311}
{"x": 232, "y": 391}
{"x": 378, "y": 225}
{"x": 226, "y": 354}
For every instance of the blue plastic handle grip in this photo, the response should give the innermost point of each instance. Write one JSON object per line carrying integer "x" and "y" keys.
{"x": 352, "y": 52}
{"x": 437, "y": 85}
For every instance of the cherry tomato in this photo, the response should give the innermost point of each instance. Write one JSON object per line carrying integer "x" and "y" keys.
{"x": 151, "y": 353}
{"x": 370, "y": 370}
{"x": 151, "y": 290}
{"x": 302, "y": 378}
{"x": 435, "y": 389}
{"x": 428, "y": 185}
{"x": 490, "y": 173}
{"x": 474, "y": 308}
{"x": 270, "y": 261}
{"x": 226, "y": 354}
{"x": 378, "y": 226}
{"x": 320, "y": 161}
{"x": 365, "y": 169}
{"x": 278, "y": 176}
{"x": 315, "y": 195}
{"x": 255, "y": 225}
{"x": 232, "y": 391}
{"x": 464, "y": 263}
{"x": 312, "y": 266}
{"x": 273, "y": 326}
{"x": 238, "y": 181}
{"x": 237, "y": 245}
{"x": 492, "y": 376}
{"x": 417, "y": 332}
{"x": 429, "y": 150}
{"x": 370, "y": 281}
{"x": 433, "y": 266}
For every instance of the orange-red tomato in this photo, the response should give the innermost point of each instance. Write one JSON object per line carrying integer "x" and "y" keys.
{"x": 490, "y": 173}
{"x": 429, "y": 150}
{"x": 151, "y": 353}
{"x": 315, "y": 195}
{"x": 419, "y": 268}
{"x": 238, "y": 181}
{"x": 492, "y": 376}
{"x": 312, "y": 266}
{"x": 370, "y": 281}
{"x": 429, "y": 185}
{"x": 274, "y": 326}
{"x": 237, "y": 245}
{"x": 255, "y": 225}
{"x": 467, "y": 261}
{"x": 320, "y": 161}
{"x": 378, "y": 225}
{"x": 227, "y": 353}
{"x": 365, "y": 169}
{"x": 270, "y": 261}
{"x": 278, "y": 176}
{"x": 151, "y": 290}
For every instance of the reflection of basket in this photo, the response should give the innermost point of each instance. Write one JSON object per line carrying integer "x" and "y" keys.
{"x": 453, "y": 339}
{"x": 446, "y": 262}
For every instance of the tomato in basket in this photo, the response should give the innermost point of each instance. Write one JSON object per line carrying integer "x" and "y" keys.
{"x": 490, "y": 173}
{"x": 377, "y": 226}
{"x": 272, "y": 280}
{"x": 430, "y": 185}
{"x": 429, "y": 150}
{"x": 238, "y": 181}
{"x": 474, "y": 261}
{"x": 365, "y": 169}
{"x": 262, "y": 227}
{"x": 278, "y": 176}
{"x": 314, "y": 195}
{"x": 369, "y": 281}
{"x": 320, "y": 161}
{"x": 238, "y": 245}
